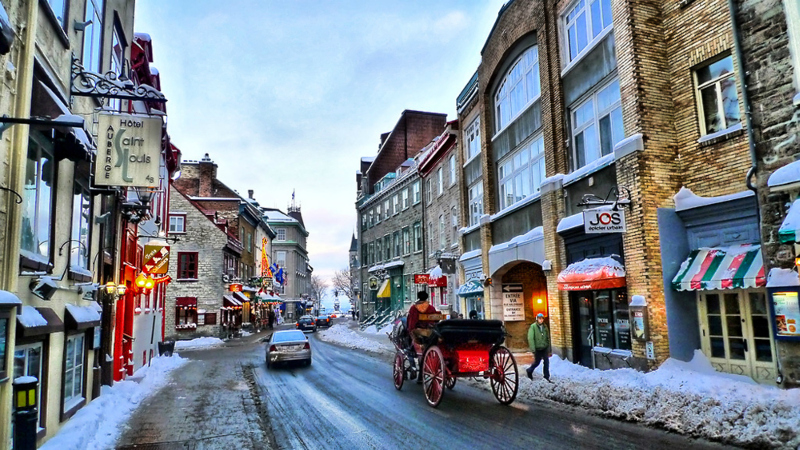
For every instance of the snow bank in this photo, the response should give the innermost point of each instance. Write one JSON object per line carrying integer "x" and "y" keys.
{"x": 198, "y": 343}
{"x": 342, "y": 335}
{"x": 689, "y": 398}
{"x": 246, "y": 333}
{"x": 99, "y": 424}
{"x": 372, "y": 329}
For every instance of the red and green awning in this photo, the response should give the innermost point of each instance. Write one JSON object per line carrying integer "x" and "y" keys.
{"x": 736, "y": 267}
{"x": 789, "y": 231}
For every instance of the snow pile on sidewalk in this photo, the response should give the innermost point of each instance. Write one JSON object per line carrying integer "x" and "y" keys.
{"x": 198, "y": 343}
{"x": 343, "y": 335}
{"x": 99, "y": 424}
{"x": 372, "y": 329}
{"x": 689, "y": 398}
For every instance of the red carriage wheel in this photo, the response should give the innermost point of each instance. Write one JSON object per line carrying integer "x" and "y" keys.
{"x": 398, "y": 371}
{"x": 504, "y": 376}
{"x": 450, "y": 383}
{"x": 433, "y": 375}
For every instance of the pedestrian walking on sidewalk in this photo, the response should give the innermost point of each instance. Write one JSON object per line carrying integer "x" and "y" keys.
{"x": 271, "y": 318}
{"x": 539, "y": 343}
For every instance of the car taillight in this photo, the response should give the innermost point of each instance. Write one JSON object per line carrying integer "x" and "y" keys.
{"x": 297, "y": 325}
{"x": 272, "y": 348}
{"x": 306, "y": 347}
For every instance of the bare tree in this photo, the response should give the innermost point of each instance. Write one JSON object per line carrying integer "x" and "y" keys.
{"x": 318, "y": 287}
{"x": 344, "y": 282}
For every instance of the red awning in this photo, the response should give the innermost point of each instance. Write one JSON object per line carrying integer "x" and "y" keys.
{"x": 186, "y": 301}
{"x": 592, "y": 274}
{"x": 230, "y": 301}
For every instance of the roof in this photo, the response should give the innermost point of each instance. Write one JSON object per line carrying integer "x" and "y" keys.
{"x": 354, "y": 243}
{"x": 499, "y": 15}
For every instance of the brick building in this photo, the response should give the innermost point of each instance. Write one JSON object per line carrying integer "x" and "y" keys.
{"x": 441, "y": 194}
{"x": 391, "y": 217}
{"x": 630, "y": 108}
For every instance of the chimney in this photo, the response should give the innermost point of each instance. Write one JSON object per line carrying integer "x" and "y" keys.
{"x": 250, "y": 194}
{"x": 207, "y": 175}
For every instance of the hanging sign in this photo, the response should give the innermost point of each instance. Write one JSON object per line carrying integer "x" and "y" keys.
{"x": 373, "y": 283}
{"x": 155, "y": 259}
{"x": 235, "y": 287}
{"x": 129, "y": 150}
{"x": 421, "y": 278}
{"x": 603, "y": 221}
{"x": 513, "y": 305}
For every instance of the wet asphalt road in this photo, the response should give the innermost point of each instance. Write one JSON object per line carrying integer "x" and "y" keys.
{"x": 346, "y": 399}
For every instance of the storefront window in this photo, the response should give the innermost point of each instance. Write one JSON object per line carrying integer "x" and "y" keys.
{"x": 73, "y": 371}
{"x": 608, "y": 319}
{"x": 475, "y": 304}
{"x": 38, "y": 199}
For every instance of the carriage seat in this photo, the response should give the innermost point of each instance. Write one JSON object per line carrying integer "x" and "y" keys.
{"x": 462, "y": 331}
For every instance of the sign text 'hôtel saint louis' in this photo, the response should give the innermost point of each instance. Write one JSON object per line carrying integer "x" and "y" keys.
{"x": 129, "y": 150}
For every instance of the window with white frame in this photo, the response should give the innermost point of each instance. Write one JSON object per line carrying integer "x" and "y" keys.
{"x": 597, "y": 125}
{"x": 415, "y": 193}
{"x": 475, "y": 203}
{"x": 371, "y": 220}
{"x": 73, "y": 371}
{"x": 177, "y": 224}
{"x": 717, "y": 97}
{"x": 379, "y": 250}
{"x": 397, "y": 243}
{"x": 386, "y": 211}
{"x": 472, "y": 139}
{"x": 92, "y": 35}
{"x": 406, "y": 241}
{"x": 417, "y": 236}
{"x": 364, "y": 221}
{"x": 429, "y": 193}
{"x": 387, "y": 247}
{"x": 81, "y": 221}
{"x": 396, "y": 203}
{"x": 280, "y": 258}
{"x": 405, "y": 198}
{"x": 520, "y": 174}
{"x": 454, "y": 223}
{"x": 378, "y": 214}
{"x": 280, "y": 233}
{"x": 440, "y": 181}
{"x": 519, "y": 88}
{"x": 431, "y": 236}
{"x": 583, "y": 25}
{"x": 442, "y": 232}
{"x": 59, "y": 8}
{"x": 452, "y": 169}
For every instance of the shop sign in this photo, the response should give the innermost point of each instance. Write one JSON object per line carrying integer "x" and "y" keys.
{"x": 235, "y": 287}
{"x": 603, "y": 221}
{"x": 421, "y": 278}
{"x": 786, "y": 307}
{"x": 513, "y": 304}
{"x": 129, "y": 153}
{"x": 437, "y": 282}
{"x": 155, "y": 259}
{"x": 266, "y": 283}
{"x": 373, "y": 283}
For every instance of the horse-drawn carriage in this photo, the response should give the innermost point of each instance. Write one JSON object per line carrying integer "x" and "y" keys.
{"x": 455, "y": 348}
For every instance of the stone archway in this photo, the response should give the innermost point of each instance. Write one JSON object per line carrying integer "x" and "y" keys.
{"x": 534, "y": 293}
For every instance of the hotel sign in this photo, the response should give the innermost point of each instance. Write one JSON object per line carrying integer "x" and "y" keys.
{"x": 129, "y": 150}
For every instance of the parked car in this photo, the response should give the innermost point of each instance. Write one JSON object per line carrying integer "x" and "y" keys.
{"x": 324, "y": 321}
{"x": 286, "y": 346}
{"x": 306, "y": 323}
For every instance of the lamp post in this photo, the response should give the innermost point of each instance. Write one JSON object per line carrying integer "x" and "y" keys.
{"x": 25, "y": 405}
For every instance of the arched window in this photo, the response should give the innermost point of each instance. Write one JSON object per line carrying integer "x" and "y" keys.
{"x": 519, "y": 88}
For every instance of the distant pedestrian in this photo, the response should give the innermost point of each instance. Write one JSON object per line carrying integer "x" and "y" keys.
{"x": 473, "y": 315}
{"x": 353, "y": 312}
{"x": 539, "y": 343}
{"x": 271, "y": 318}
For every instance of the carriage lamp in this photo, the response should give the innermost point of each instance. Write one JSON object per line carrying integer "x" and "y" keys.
{"x": 118, "y": 289}
{"x": 539, "y": 301}
{"x": 141, "y": 280}
{"x": 149, "y": 283}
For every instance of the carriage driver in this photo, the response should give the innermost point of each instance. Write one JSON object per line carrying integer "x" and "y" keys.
{"x": 420, "y": 328}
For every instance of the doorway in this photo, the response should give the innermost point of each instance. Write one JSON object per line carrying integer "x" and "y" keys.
{"x": 736, "y": 333}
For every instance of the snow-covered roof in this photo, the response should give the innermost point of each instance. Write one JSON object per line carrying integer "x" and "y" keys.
{"x": 686, "y": 199}
{"x": 83, "y": 314}
{"x": 277, "y": 216}
{"x": 30, "y": 317}
{"x": 570, "y": 222}
{"x": 592, "y": 167}
{"x": 470, "y": 254}
{"x": 788, "y": 174}
{"x": 790, "y": 228}
{"x": 391, "y": 264}
{"x": 7, "y": 298}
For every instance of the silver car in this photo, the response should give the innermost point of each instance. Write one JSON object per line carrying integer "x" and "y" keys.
{"x": 288, "y": 345}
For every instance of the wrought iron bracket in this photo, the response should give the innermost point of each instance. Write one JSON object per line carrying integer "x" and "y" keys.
{"x": 621, "y": 197}
{"x": 85, "y": 83}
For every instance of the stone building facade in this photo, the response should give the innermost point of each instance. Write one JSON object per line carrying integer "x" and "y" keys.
{"x": 289, "y": 253}
{"x": 391, "y": 216}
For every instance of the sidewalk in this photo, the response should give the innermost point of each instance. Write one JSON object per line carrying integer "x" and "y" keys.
{"x": 206, "y": 404}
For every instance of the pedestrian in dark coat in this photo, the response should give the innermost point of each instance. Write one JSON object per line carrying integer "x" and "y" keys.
{"x": 539, "y": 343}
{"x": 271, "y": 318}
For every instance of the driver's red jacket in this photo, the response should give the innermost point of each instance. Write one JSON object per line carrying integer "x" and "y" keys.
{"x": 413, "y": 316}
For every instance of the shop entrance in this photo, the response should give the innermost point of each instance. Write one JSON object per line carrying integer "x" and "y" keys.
{"x": 736, "y": 333}
{"x": 600, "y": 319}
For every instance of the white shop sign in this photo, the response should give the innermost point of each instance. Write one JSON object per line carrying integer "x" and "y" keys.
{"x": 129, "y": 150}
{"x": 603, "y": 221}
{"x": 513, "y": 303}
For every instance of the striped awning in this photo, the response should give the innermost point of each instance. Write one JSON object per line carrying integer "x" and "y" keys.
{"x": 736, "y": 267}
{"x": 470, "y": 288}
{"x": 790, "y": 228}
{"x": 386, "y": 289}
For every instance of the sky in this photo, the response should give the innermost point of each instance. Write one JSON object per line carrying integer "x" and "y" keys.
{"x": 287, "y": 95}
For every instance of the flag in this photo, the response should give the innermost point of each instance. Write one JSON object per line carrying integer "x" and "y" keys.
{"x": 292, "y": 194}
